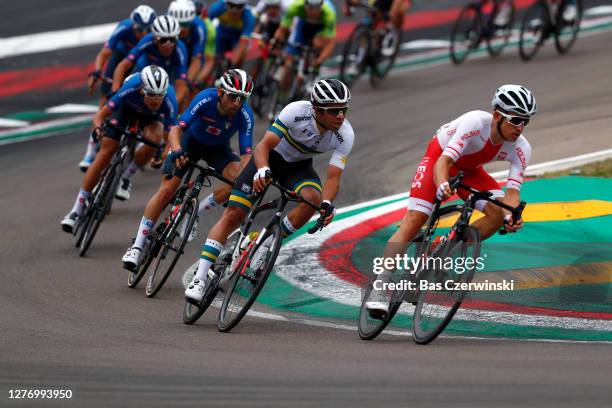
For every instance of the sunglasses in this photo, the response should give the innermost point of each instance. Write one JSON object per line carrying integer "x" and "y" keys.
{"x": 140, "y": 28}
{"x": 165, "y": 40}
{"x": 515, "y": 120}
{"x": 153, "y": 95}
{"x": 236, "y": 97}
{"x": 235, "y": 6}
{"x": 336, "y": 111}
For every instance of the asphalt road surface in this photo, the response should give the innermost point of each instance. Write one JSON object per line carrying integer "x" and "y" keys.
{"x": 72, "y": 323}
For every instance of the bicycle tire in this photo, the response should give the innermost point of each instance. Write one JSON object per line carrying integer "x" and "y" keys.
{"x": 349, "y": 56}
{"x": 494, "y": 49}
{"x": 382, "y": 65}
{"x": 574, "y": 27}
{"x": 536, "y": 22}
{"x": 98, "y": 209}
{"x": 188, "y": 209}
{"x": 191, "y": 312}
{"x": 471, "y": 16}
{"x": 422, "y": 331}
{"x": 368, "y": 326}
{"x": 227, "y": 321}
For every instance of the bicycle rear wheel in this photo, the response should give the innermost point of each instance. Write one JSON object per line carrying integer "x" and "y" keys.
{"x": 568, "y": 25}
{"x": 99, "y": 207}
{"x": 192, "y": 312}
{"x": 437, "y": 304}
{"x": 534, "y": 27}
{"x": 466, "y": 33}
{"x": 172, "y": 246}
{"x": 250, "y": 278}
{"x": 355, "y": 55}
{"x": 500, "y": 34}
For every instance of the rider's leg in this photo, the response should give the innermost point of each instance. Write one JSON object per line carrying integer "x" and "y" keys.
{"x": 397, "y": 12}
{"x": 302, "y": 212}
{"x": 285, "y": 80}
{"x": 221, "y": 158}
{"x": 491, "y": 222}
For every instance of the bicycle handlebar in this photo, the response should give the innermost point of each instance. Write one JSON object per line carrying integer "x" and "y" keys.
{"x": 517, "y": 212}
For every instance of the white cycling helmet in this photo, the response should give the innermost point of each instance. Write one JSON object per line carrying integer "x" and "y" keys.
{"x": 313, "y": 3}
{"x": 166, "y": 26}
{"x": 143, "y": 15}
{"x": 235, "y": 1}
{"x": 516, "y": 99}
{"x": 154, "y": 80}
{"x": 329, "y": 92}
{"x": 183, "y": 10}
{"x": 236, "y": 81}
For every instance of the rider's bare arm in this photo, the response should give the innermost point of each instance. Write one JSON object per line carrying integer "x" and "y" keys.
{"x": 101, "y": 116}
{"x": 442, "y": 168}
{"x": 263, "y": 149}
{"x": 332, "y": 183}
{"x": 120, "y": 73}
{"x": 326, "y": 50}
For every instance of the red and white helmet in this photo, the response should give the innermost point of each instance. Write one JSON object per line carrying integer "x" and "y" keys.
{"x": 236, "y": 81}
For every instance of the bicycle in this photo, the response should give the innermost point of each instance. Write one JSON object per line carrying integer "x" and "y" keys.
{"x": 304, "y": 75}
{"x": 473, "y": 26}
{"x": 100, "y": 203}
{"x": 545, "y": 18}
{"x": 266, "y": 86}
{"x": 372, "y": 44}
{"x": 433, "y": 310}
{"x": 243, "y": 267}
{"x": 165, "y": 245}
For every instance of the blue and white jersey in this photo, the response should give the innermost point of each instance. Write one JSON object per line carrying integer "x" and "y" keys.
{"x": 146, "y": 53}
{"x": 196, "y": 40}
{"x": 129, "y": 96}
{"x": 123, "y": 38}
{"x": 209, "y": 128}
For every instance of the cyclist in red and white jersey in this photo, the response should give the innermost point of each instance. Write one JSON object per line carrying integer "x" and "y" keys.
{"x": 466, "y": 144}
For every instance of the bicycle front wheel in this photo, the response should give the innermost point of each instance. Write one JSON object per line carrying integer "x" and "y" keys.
{"x": 501, "y": 27}
{"x": 466, "y": 33}
{"x": 192, "y": 312}
{"x": 355, "y": 55}
{"x": 385, "y": 54}
{"x": 568, "y": 20}
{"x": 250, "y": 278}
{"x": 437, "y": 304}
{"x": 534, "y": 27}
{"x": 172, "y": 246}
{"x": 99, "y": 207}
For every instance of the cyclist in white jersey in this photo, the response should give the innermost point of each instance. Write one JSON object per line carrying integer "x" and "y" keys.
{"x": 466, "y": 144}
{"x": 302, "y": 130}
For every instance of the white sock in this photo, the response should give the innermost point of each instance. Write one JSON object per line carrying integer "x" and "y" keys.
{"x": 146, "y": 225}
{"x": 80, "y": 201}
{"x": 207, "y": 203}
{"x": 210, "y": 252}
{"x": 130, "y": 171}
{"x": 91, "y": 148}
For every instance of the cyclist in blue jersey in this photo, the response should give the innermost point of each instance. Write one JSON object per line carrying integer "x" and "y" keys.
{"x": 194, "y": 34}
{"x": 147, "y": 98}
{"x": 236, "y": 23}
{"x": 204, "y": 131}
{"x": 162, "y": 48}
{"x": 125, "y": 36}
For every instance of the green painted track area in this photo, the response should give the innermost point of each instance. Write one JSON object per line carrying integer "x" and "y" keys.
{"x": 562, "y": 270}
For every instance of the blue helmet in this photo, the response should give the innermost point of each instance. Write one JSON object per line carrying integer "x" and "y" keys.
{"x": 143, "y": 15}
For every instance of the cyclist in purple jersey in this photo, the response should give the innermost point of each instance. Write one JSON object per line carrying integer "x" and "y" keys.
{"x": 146, "y": 97}
{"x": 163, "y": 48}
{"x": 204, "y": 131}
{"x": 125, "y": 36}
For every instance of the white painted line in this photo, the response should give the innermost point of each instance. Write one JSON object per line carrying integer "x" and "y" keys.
{"x": 424, "y": 44}
{"x": 14, "y": 136}
{"x": 598, "y": 11}
{"x": 72, "y": 108}
{"x": 13, "y": 123}
{"x": 55, "y": 40}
